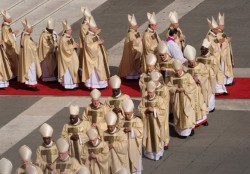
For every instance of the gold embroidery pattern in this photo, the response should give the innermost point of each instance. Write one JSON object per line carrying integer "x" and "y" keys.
{"x": 75, "y": 130}
{"x": 110, "y": 139}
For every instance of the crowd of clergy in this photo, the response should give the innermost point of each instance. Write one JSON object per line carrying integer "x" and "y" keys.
{"x": 176, "y": 84}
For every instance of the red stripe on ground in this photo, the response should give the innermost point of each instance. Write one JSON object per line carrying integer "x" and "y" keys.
{"x": 129, "y": 87}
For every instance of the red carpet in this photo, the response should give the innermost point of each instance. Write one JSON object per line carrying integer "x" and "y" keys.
{"x": 240, "y": 90}
{"x": 55, "y": 89}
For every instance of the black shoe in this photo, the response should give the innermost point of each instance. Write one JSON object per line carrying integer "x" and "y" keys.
{"x": 165, "y": 147}
{"x": 14, "y": 79}
{"x": 192, "y": 133}
{"x": 212, "y": 110}
{"x": 33, "y": 88}
{"x": 102, "y": 88}
{"x": 74, "y": 89}
{"x": 230, "y": 84}
{"x": 225, "y": 93}
{"x": 205, "y": 124}
{"x": 171, "y": 117}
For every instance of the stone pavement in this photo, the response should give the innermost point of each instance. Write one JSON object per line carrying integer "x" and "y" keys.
{"x": 222, "y": 147}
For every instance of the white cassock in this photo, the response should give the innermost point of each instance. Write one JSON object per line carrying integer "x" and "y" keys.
{"x": 32, "y": 75}
{"x": 227, "y": 80}
{"x": 4, "y": 84}
{"x": 175, "y": 50}
{"x": 221, "y": 88}
{"x": 95, "y": 82}
{"x": 151, "y": 155}
{"x": 211, "y": 104}
{"x": 67, "y": 82}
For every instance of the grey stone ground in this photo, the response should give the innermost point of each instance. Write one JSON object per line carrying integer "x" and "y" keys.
{"x": 222, "y": 147}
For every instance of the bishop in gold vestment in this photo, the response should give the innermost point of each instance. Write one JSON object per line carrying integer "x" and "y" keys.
{"x": 183, "y": 88}
{"x": 117, "y": 142}
{"x": 46, "y": 153}
{"x": 162, "y": 91}
{"x": 64, "y": 163}
{"x": 94, "y": 112}
{"x": 47, "y": 52}
{"x": 150, "y": 40}
{"x": 133, "y": 127}
{"x": 114, "y": 102}
{"x": 68, "y": 62}
{"x": 75, "y": 133}
{"x": 25, "y": 154}
{"x": 215, "y": 49}
{"x": 211, "y": 65}
{"x": 199, "y": 73}
{"x": 29, "y": 66}
{"x": 152, "y": 110}
{"x": 164, "y": 62}
{"x": 226, "y": 53}
{"x": 130, "y": 63}
{"x": 96, "y": 153}
{"x": 9, "y": 42}
{"x": 5, "y": 68}
{"x": 95, "y": 63}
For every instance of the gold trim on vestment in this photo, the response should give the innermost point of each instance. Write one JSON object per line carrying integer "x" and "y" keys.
{"x": 110, "y": 139}
{"x": 48, "y": 153}
{"x": 204, "y": 61}
{"x": 75, "y": 130}
{"x": 63, "y": 166}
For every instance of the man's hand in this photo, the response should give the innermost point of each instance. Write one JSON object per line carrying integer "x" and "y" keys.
{"x": 182, "y": 37}
{"x": 74, "y": 137}
{"x": 35, "y": 43}
{"x": 149, "y": 110}
{"x": 117, "y": 110}
{"x": 100, "y": 42}
{"x": 98, "y": 31}
{"x": 180, "y": 90}
{"x": 50, "y": 167}
{"x": 221, "y": 40}
{"x": 229, "y": 39}
{"x": 75, "y": 45}
{"x": 15, "y": 32}
{"x": 127, "y": 129}
{"x": 196, "y": 79}
{"x": 26, "y": 163}
{"x": 111, "y": 146}
{"x": 93, "y": 125}
{"x": 93, "y": 156}
{"x": 163, "y": 69}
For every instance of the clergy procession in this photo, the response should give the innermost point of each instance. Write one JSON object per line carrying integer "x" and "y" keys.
{"x": 178, "y": 85}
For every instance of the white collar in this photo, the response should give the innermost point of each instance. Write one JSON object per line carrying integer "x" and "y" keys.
{"x": 118, "y": 95}
{"x": 92, "y": 33}
{"x": 7, "y": 23}
{"x": 159, "y": 84}
{"x": 212, "y": 33}
{"x": 65, "y": 158}
{"x": 113, "y": 131}
{"x": 49, "y": 145}
{"x": 77, "y": 123}
{"x": 97, "y": 142}
{"x": 150, "y": 29}
{"x": 152, "y": 98}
